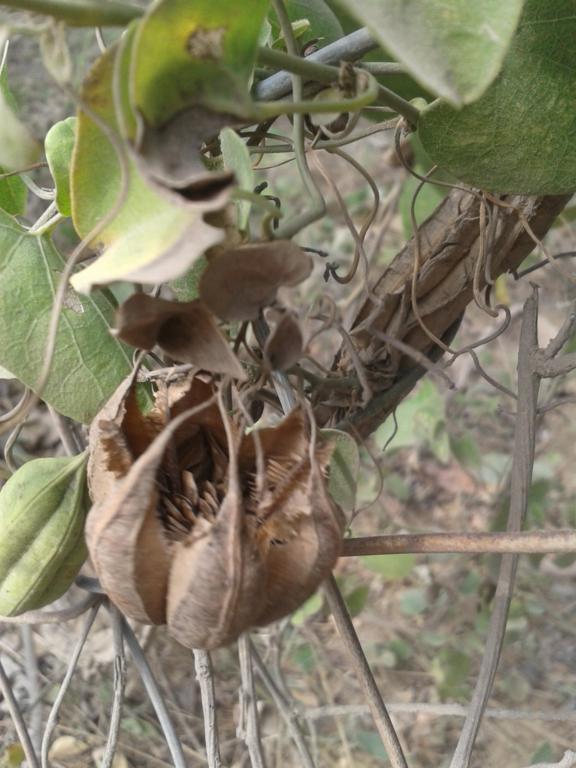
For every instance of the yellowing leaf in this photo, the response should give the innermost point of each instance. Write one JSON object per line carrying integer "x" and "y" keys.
{"x": 158, "y": 247}
{"x": 189, "y": 53}
{"x": 152, "y": 238}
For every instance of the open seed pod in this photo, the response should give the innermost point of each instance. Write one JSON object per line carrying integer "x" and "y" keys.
{"x": 199, "y": 526}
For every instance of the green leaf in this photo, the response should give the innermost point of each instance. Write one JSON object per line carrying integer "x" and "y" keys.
{"x": 151, "y": 239}
{"x": 344, "y": 468}
{"x": 429, "y": 197}
{"x": 199, "y": 53}
{"x": 303, "y": 655}
{"x": 310, "y": 607}
{"x": 237, "y": 159}
{"x": 392, "y": 567}
{"x": 88, "y": 362}
{"x": 419, "y": 419}
{"x": 18, "y": 149}
{"x": 450, "y": 670}
{"x": 520, "y": 137}
{"x": 356, "y": 599}
{"x": 13, "y": 194}
{"x": 323, "y": 22}
{"x": 5, "y": 374}
{"x": 58, "y": 146}
{"x": 544, "y": 753}
{"x": 466, "y": 450}
{"x": 185, "y": 288}
{"x": 12, "y": 757}
{"x": 453, "y": 48}
{"x": 371, "y": 743}
{"x": 413, "y": 601}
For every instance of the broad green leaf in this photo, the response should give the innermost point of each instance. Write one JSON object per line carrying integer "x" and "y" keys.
{"x": 237, "y": 159}
{"x": 58, "y": 146}
{"x": 13, "y": 194}
{"x": 304, "y": 656}
{"x": 454, "y": 48}
{"x": 344, "y": 468}
{"x": 151, "y": 239}
{"x": 199, "y": 53}
{"x": 520, "y": 137}
{"x": 18, "y": 148}
{"x": 392, "y": 567}
{"x": 323, "y": 26}
{"x": 88, "y": 363}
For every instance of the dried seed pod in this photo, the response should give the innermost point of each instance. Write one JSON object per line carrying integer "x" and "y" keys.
{"x": 42, "y": 512}
{"x": 201, "y": 527}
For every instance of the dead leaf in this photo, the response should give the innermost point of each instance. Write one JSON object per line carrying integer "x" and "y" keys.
{"x": 171, "y": 155}
{"x": 69, "y": 751}
{"x": 285, "y": 344}
{"x": 184, "y": 330}
{"x": 237, "y": 284}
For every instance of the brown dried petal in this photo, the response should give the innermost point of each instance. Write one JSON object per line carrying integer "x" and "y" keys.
{"x": 184, "y": 330}
{"x": 298, "y": 562}
{"x": 285, "y": 343}
{"x": 216, "y": 581}
{"x": 237, "y": 284}
{"x": 284, "y": 442}
{"x": 118, "y": 435}
{"x": 127, "y": 542}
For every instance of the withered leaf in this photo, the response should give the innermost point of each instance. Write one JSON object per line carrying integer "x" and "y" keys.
{"x": 237, "y": 284}
{"x": 285, "y": 344}
{"x": 170, "y": 156}
{"x": 186, "y": 331}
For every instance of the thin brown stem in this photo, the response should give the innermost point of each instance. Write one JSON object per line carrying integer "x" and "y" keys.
{"x": 524, "y": 543}
{"x": 364, "y": 674}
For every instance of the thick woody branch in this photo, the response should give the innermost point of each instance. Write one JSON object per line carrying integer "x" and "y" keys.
{"x": 450, "y": 246}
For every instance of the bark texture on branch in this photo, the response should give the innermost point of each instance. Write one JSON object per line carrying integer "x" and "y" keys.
{"x": 450, "y": 245}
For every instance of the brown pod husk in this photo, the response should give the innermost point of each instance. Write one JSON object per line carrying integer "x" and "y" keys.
{"x": 200, "y": 527}
{"x": 299, "y": 525}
